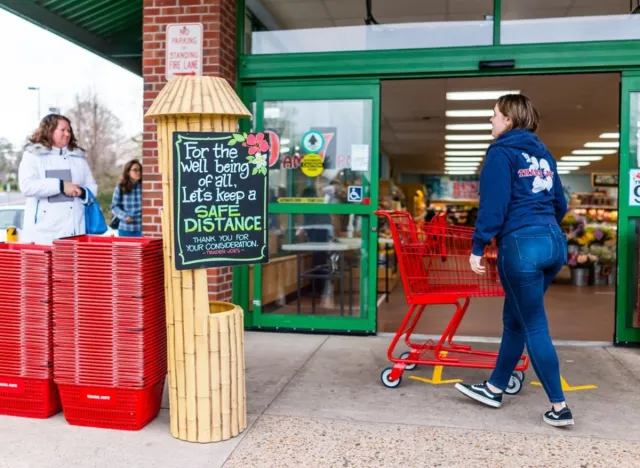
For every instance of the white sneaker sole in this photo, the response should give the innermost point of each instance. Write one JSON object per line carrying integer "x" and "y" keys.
{"x": 479, "y": 398}
{"x": 554, "y": 423}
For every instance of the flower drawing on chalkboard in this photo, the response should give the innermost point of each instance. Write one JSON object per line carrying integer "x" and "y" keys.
{"x": 256, "y": 143}
{"x": 260, "y": 163}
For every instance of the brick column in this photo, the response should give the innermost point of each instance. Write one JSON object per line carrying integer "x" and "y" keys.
{"x": 218, "y": 18}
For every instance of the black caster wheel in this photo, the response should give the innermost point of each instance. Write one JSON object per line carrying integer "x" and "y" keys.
{"x": 406, "y": 355}
{"x": 515, "y": 385}
{"x": 384, "y": 377}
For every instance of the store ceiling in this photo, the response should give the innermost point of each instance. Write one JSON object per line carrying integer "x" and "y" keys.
{"x": 574, "y": 110}
{"x": 301, "y": 14}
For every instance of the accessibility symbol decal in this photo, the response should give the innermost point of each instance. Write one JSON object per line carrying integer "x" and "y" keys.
{"x": 354, "y": 193}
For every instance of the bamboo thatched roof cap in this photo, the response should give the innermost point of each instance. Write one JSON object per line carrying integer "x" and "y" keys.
{"x": 197, "y": 95}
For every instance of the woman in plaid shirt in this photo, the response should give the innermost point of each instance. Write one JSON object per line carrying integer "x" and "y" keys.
{"x": 126, "y": 204}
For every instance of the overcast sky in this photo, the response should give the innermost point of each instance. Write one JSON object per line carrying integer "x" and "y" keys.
{"x": 31, "y": 56}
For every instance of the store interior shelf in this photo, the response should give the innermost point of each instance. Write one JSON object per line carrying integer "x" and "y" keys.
{"x": 592, "y": 207}
{"x": 459, "y": 201}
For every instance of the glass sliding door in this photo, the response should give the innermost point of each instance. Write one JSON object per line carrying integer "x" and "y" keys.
{"x": 323, "y": 186}
{"x": 628, "y": 298}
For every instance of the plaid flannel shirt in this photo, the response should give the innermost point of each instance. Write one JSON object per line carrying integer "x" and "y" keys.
{"x": 129, "y": 206}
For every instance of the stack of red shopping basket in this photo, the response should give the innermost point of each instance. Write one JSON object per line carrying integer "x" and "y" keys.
{"x": 26, "y": 338}
{"x": 109, "y": 334}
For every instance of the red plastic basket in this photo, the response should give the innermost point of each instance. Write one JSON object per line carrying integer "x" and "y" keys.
{"x": 111, "y": 408}
{"x": 110, "y": 346}
{"x": 31, "y": 398}
{"x": 26, "y": 332}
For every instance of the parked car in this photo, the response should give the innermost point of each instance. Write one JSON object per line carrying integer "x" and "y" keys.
{"x": 13, "y": 215}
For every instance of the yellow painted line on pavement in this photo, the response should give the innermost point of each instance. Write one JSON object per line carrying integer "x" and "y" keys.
{"x": 436, "y": 378}
{"x": 568, "y": 388}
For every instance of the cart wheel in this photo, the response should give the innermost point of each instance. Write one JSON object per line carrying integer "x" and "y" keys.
{"x": 385, "y": 379}
{"x": 519, "y": 375}
{"x": 515, "y": 385}
{"x": 406, "y": 355}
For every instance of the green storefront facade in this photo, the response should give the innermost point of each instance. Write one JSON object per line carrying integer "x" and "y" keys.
{"x": 327, "y": 76}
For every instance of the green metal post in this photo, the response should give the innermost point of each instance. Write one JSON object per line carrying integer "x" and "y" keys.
{"x": 497, "y": 20}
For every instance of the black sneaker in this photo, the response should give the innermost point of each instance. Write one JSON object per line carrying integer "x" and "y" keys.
{"x": 561, "y": 418}
{"x": 481, "y": 393}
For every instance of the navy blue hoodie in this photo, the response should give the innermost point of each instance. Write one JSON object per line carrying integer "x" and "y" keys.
{"x": 519, "y": 187}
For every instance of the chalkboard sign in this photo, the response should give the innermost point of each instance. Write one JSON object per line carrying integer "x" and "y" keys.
{"x": 220, "y": 199}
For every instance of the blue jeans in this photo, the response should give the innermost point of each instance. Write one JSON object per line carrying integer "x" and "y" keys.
{"x": 528, "y": 260}
{"x": 122, "y": 233}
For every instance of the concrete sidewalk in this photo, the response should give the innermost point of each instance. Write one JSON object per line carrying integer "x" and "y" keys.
{"x": 317, "y": 401}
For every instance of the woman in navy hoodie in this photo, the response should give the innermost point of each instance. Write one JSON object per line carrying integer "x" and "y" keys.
{"x": 521, "y": 206}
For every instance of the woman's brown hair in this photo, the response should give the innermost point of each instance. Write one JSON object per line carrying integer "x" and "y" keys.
{"x": 126, "y": 184}
{"x": 43, "y": 135}
{"x": 519, "y": 109}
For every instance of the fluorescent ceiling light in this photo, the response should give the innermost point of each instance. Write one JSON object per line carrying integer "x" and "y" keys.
{"x": 570, "y": 168}
{"x": 454, "y": 165}
{"x": 470, "y": 113}
{"x": 285, "y": 141}
{"x": 460, "y": 172}
{"x": 477, "y": 95}
{"x": 464, "y": 153}
{"x": 610, "y": 135}
{"x": 582, "y": 158}
{"x": 468, "y": 137}
{"x": 564, "y": 172}
{"x": 450, "y": 159}
{"x": 573, "y": 163}
{"x": 465, "y": 146}
{"x": 594, "y": 152}
{"x": 469, "y": 127}
{"x": 602, "y": 144}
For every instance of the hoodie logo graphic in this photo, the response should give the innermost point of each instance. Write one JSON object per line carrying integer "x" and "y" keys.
{"x": 540, "y": 170}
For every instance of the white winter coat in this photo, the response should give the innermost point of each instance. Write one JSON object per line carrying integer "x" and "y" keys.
{"x": 43, "y": 221}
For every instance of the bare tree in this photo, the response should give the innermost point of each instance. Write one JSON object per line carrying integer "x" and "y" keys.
{"x": 99, "y": 132}
{"x": 9, "y": 161}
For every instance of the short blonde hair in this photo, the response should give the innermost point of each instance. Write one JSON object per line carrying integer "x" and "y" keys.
{"x": 519, "y": 109}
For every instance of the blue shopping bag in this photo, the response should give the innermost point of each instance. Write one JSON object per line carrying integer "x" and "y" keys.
{"x": 93, "y": 218}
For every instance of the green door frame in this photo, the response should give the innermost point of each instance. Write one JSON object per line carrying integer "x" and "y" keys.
{"x": 240, "y": 283}
{"x": 628, "y": 216}
{"x": 316, "y": 90}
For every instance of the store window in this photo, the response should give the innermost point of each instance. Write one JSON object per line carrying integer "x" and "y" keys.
{"x": 323, "y": 148}
{"x": 315, "y": 266}
{"x": 341, "y": 25}
{"x": 251, "y": 24}
{"x": 550, "y": 21}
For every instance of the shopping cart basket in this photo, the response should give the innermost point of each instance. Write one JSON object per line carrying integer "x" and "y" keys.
{"x": 433, "y": 259}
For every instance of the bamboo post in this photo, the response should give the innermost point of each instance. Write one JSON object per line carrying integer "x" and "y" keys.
{"x": 205, "y": 342}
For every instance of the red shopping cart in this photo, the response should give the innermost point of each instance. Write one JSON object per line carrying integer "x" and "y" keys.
{"x": 433, "y": 259}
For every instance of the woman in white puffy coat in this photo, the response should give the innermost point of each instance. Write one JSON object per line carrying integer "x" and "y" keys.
{"x": 54, "y": 177}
